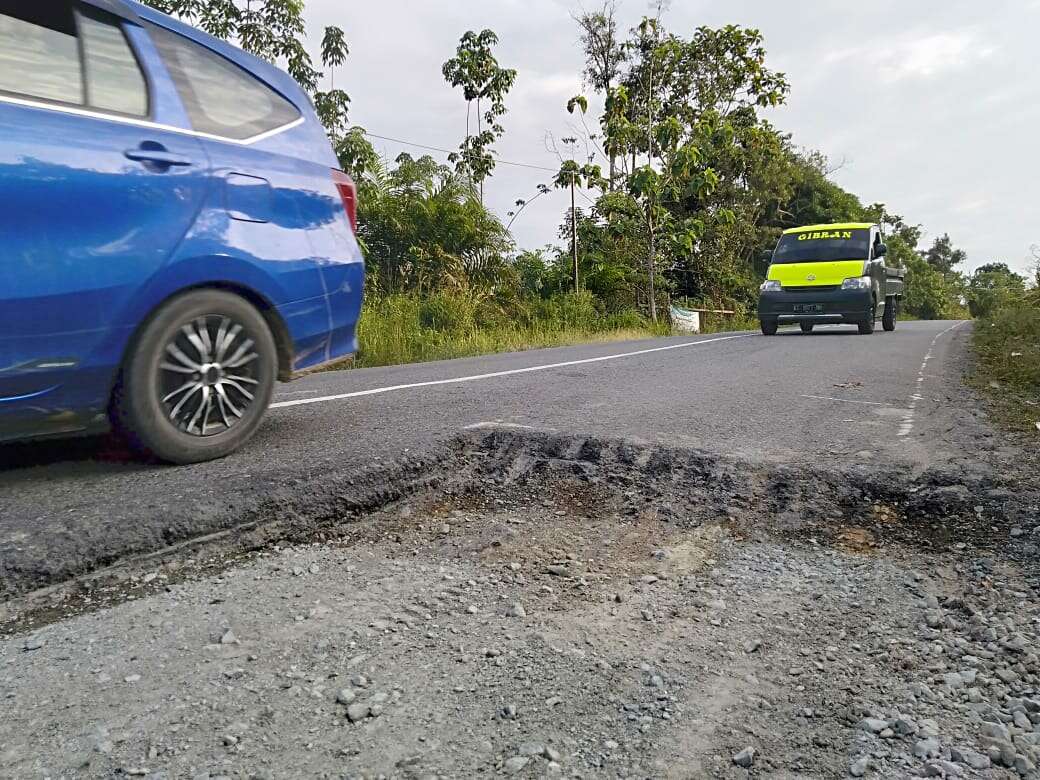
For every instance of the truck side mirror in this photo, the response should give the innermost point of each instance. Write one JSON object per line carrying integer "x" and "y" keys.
{"x": 880, "y": 250}
{"x": 766, "y": 255}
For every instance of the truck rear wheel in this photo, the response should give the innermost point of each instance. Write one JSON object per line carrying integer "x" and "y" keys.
{"x": 888, "y": 321}
{"x": 769, "y": 327}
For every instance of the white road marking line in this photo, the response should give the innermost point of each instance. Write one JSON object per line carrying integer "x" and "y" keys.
{"x": 907, "y": 426}
{"x": 495, "y": 374}
{"x": 845, "y": 400}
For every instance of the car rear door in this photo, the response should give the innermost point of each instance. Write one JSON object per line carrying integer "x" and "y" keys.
{"x": 97, "y": 187}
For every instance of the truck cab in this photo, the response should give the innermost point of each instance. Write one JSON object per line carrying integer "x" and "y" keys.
{"x": 832, "y": 274}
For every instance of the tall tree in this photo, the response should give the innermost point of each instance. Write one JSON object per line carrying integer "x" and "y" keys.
{"x": 645, "y": 184}
{"x": 475, "y": 69}
{"x": 943, "y": 255}
{"x": 707, "y": 90}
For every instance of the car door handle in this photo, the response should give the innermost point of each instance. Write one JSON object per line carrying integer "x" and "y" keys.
{"x": 156, "y": 156}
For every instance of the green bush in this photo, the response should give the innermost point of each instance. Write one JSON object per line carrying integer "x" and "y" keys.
{"x": 626, "y": 320}
{"x": 446, "y": 314}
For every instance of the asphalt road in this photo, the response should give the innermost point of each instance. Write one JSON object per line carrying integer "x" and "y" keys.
{"x": 69, "y": 506}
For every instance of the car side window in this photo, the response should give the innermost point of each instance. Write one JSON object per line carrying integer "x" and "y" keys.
{"x": 39, "y": 53}
{"x": 52, "y": 51}
{"x": 114, "y": 78}
{"x": 221, "y": 98}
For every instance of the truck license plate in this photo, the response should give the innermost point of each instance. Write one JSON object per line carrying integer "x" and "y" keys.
{"x": 808, "y": 308}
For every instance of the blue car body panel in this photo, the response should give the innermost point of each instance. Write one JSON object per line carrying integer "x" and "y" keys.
{"x": 93, "y": 240}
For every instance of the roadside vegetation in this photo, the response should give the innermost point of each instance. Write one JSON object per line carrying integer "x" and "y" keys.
{"x": 681, "y": 182}
{"x": 1007, "y": 341}
{"x": 409, "y": 328}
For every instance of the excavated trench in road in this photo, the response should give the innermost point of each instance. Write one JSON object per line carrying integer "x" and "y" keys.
{"x": 862, "y": 508}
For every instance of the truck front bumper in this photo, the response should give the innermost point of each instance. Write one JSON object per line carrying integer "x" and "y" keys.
{"x": 820, "y": 305}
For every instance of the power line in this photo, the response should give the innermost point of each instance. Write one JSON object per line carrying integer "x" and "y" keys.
{"x": 452, "y": 151}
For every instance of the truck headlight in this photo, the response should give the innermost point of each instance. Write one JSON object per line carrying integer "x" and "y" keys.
{"x": 856, "y": 283}
{"x": 771, "y": 285}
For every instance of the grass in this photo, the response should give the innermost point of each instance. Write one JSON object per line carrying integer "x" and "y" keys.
{"x": 411, "y": 329}
{"x": 1007, "y": 346}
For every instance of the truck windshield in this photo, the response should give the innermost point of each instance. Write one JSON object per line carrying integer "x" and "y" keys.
{"x": 822, "y": 246}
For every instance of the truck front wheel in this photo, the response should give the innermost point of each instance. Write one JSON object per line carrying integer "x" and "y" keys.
{"x": 888, "y": 321}
{"x": 867, "y": 327}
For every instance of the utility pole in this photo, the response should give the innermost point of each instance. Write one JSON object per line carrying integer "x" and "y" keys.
{"x": 574, "y": 234}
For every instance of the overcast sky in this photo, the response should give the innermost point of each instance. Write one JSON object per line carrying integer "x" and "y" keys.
{"x": 932, "y": 107}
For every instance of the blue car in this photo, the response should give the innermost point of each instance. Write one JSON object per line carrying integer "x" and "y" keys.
{"x": 175, "y": 234}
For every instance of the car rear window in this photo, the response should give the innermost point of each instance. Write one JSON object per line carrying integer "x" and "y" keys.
{"x": 221, "y": 98}
{"x": 51, "y": 52}
{"x": 820, "y": 246}
{"x": 114, "y": 79}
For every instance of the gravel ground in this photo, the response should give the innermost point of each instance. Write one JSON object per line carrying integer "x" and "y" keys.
{"x": 562, "y": 606}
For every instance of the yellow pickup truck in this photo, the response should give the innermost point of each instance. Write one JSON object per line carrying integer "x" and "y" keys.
{"x": 830, "y": 274}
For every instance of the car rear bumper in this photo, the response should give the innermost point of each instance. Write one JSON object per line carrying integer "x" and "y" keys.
{"x": 818, "y": 306}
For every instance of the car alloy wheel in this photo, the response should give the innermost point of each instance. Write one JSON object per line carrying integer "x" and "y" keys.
{"x": 208, "y": 378}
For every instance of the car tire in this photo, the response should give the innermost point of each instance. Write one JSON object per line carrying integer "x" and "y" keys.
{"x": 807, "y": 327}
{"x": 197, "y": 378}
{"x": 768, "y": 327}
{"x": 888, "y": 320}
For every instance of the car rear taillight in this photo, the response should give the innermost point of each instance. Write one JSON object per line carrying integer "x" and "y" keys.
{"x": 348, "y": 194}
